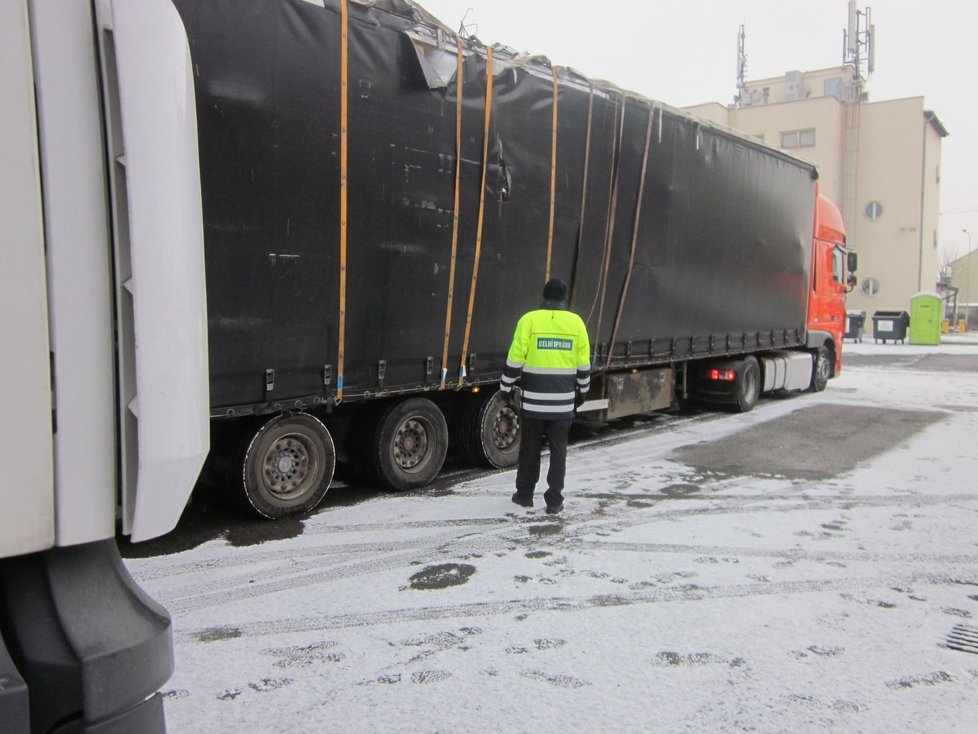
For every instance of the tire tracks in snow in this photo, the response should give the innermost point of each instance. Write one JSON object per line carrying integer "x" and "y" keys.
{"x": 628, "y": 445}
{"x": 237, "y": 557}
{"x": 789, "y": 554}
{"x": 312, "y": 571}
{"x": 308, "y": 566}
{"x": 688, "y": 593}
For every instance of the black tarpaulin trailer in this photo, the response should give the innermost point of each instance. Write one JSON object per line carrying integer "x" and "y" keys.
{"x": 680, "y": 240}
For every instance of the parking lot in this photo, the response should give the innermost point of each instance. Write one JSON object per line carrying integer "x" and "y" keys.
{"x": 811, "y": 565}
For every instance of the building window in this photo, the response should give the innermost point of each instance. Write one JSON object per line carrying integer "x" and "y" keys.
{"x": 873, "y": 211}
{"x": 798, "y": 138}
{"x": 870, "y": 287}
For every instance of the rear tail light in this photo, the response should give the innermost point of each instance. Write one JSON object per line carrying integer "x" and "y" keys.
{"x": 723, "y": 375}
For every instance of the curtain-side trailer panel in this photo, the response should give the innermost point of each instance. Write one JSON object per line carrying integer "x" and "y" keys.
{"x": 713, "y": 257}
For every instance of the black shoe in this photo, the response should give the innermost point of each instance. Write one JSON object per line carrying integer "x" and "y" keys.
{"x": 522, "y": 501}
{"x": 554, "y": 509}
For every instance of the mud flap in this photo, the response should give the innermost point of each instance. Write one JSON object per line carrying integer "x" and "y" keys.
{"x": 14, "y": 712}
{"x": 90, "y": 645}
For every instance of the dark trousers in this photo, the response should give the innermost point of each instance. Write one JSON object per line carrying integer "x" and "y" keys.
{"x": 532, "y": 432}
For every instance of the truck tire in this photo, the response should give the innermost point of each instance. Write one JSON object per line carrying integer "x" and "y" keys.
{"x": 748, "y": 385}
{"x": 288, "y": 466}
{"x": 489, "y": 432}
{"x": 821, "y": 370}
{"x": 409, "y": 444}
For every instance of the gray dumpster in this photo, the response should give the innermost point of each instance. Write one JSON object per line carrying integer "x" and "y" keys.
{"x": 890, "y": 325}
{"x": 855, "y": 321}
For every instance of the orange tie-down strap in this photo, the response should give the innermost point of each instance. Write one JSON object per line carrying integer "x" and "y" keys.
{"x": 458, "y": 172}
{"x": 638, "y": 218}
{"x": 553, "y": 176}
{"x": 482, "y": 210}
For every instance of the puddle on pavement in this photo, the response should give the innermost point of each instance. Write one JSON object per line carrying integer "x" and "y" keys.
{"x": 680, "y": 490}
{"x": 260, "y": 531}
{"x": 848, "y": 436}
{"x": 543, "y": 530}
{"x": 218, "y": 634}
{"x": 640, "y": 504}
{"x": 441, "y": 576}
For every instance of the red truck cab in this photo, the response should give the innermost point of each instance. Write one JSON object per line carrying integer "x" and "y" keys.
{"x": 829, "y": 282}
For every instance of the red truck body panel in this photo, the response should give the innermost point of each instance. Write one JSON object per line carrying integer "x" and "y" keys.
{"x": 827, "y": 297}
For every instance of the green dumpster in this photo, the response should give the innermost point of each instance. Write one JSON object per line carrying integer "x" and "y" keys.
{"x": 926, "y": 314}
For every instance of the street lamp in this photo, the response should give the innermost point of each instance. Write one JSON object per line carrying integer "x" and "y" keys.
{"x": 967, "y": 264}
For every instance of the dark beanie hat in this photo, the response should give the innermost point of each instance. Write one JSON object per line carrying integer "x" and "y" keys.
{"x": 555, "y": 290}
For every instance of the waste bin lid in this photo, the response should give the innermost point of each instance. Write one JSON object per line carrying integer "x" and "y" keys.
{"x": 901, "y": 316}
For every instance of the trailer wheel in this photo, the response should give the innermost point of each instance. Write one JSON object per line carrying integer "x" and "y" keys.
{"x": 410, "y": 443}
{"x": 489, "y": 432}
{"x": 288, "y": 466}
{"x": 748, "y": 385}
{"x": 822, "y": 370}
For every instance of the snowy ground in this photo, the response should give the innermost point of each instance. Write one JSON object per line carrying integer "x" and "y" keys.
{"x": 680, "y": 591}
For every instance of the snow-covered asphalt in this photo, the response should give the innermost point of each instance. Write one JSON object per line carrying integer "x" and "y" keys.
{"x": 809, "y": 566}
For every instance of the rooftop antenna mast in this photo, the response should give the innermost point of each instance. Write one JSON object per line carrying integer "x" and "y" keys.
{"x": 859, "y": 40}
{"x": 741, "y": 67}
{"x": 858, "y": 50}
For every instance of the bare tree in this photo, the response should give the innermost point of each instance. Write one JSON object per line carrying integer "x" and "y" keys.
{"x": 948, "y": 255}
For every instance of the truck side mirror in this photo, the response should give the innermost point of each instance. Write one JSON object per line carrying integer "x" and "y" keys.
{"x": 851, "y": 262}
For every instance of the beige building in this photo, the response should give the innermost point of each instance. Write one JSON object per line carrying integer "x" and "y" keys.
{"x": 879, "y": 161}
{"x": 963, "y": 304}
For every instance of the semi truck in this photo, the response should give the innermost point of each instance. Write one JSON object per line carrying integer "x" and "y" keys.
{"x": 283, "y": 233}
{"x": 104, "y": 357}
{"x": 382, "y": 199}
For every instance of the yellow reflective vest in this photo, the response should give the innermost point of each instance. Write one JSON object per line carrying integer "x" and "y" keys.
{"x": 552, "y": 352}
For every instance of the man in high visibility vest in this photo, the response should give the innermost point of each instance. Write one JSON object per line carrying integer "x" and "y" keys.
{"x": 552, "y": 352}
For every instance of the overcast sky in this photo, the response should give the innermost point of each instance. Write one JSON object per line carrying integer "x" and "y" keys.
{"x": 685, "y": 53}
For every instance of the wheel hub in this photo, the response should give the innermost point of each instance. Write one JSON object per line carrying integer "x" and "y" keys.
{"x": 505, "y": 429}
{"x": 286, "y": 465}
{"x": 824, "y": 368}
{"x": 410, "y": 444}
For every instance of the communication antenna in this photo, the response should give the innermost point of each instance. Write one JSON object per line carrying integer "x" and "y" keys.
{"x": 859, "y": 40}
{"x": 741, "y": 67}
{"x": 467, "y": 30}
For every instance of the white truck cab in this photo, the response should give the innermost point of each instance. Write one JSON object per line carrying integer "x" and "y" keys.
{"x": 104, "y": 353}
